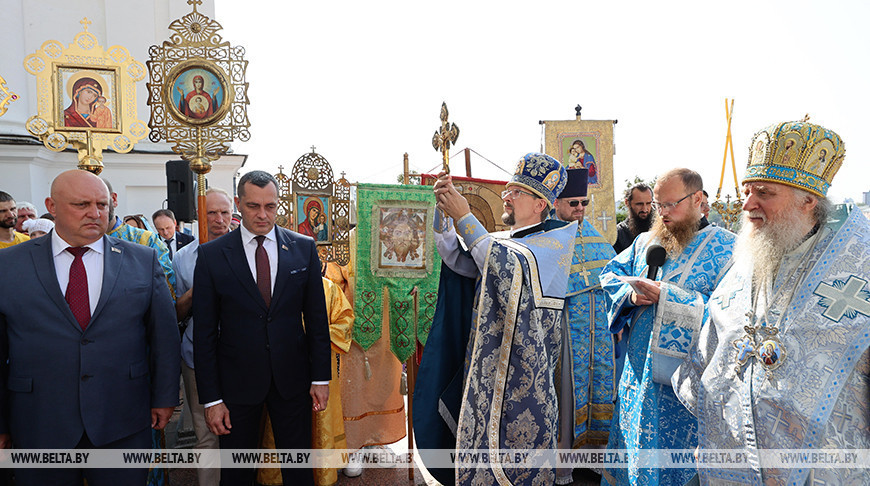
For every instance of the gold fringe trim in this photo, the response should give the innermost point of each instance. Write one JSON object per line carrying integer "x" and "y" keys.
{"x": 377, "y": 412}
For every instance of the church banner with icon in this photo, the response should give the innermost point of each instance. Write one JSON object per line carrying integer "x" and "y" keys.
{"x": 395, "y": 253}
{"x": 589, "y": 144}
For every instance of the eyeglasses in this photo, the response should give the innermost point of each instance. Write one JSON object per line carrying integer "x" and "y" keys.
{"x": 657, "y": 206}
{"x": 514, "y": 193}
{"x": 576, "y": 203}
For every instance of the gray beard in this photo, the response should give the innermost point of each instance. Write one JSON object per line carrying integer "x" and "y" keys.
{"x": 766, "y": 247}
{"x": 508, "y": 219}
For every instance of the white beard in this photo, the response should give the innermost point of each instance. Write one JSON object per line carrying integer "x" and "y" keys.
{"x": 767, "y": 246}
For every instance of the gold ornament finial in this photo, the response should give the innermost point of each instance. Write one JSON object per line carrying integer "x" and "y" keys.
{"x": 85, "y": 23}
{"x": 194, "y": 3}
{"x": 313, "y": 149}
{"x": 806, "y": 118}
{"x": 447, "y": 134}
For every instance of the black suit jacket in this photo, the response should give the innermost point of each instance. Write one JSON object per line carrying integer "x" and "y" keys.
{"x": 239, "y": 344}
{"x": 182, "y": 239}
{"x": 60, "y": 381}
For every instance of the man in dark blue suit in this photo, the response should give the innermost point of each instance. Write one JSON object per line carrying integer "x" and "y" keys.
{"x": 88, "y": 344}
{"x": 167, "y": 227}
{"x": 252, "y": 289}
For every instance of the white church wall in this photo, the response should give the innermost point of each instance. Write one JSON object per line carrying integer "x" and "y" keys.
{"x": 26, "y": 166}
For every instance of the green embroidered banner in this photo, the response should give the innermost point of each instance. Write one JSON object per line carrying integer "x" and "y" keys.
{"x": 395, "y": 252}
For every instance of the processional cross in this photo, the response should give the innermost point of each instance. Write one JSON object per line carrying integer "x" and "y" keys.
{"x": 447, "y": 134}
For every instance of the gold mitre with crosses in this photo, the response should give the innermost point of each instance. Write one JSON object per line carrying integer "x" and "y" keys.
{"x": 798, "y": 153}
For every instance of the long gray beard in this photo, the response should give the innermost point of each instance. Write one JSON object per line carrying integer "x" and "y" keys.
{"x": 766, "y": 247}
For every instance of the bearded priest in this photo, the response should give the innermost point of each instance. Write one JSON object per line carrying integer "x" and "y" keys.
{"x": 792, "y": 372}
{"x": 664, "y": 313}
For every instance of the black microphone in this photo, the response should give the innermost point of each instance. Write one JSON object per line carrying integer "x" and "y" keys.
{"x": 655, "y": 258}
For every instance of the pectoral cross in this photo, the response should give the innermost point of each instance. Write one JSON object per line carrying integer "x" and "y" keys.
{"x": 447, "y": 134}
{"x": 745, "y": 348}
{"x": 584, "y": 272}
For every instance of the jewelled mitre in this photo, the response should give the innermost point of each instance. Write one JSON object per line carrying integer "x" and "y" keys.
{"x": 798, "y": 154}
{"x": 540, "y": 174}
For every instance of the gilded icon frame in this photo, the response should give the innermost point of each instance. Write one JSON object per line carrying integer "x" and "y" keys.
{"x": 65, "y": 76}
{"x": 183, "y": 74}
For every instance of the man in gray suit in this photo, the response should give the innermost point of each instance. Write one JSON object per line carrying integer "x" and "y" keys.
{"x": 88, "y": 346}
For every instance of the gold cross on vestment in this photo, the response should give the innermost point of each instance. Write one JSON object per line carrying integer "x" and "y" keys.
{"x": 584, "y": 272}
{"x": 194, "y": 3}
{"x": 447, "y": 134}
{"x": 85, "y": 23}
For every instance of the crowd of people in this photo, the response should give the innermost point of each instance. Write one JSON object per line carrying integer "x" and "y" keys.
{"x": 679, "y": 335}
{"x": 712, "y": 340}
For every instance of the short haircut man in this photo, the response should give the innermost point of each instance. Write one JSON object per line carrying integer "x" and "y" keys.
{"x": 253, "y": 287}
{"x": 670, "y": 305}
{"x": 167, "y": 227}
{"x": 8, "y": 220}
{"x": 93, "y": 363}
{"x": 218, "y": 205}
{"x": 26, "y": 211}
{"x": 638, "y": 201}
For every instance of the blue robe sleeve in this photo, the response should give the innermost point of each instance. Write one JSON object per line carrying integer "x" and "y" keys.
{"x": 620, "y": 310}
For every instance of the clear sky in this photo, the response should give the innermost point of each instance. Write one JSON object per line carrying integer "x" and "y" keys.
{"x": 364, "y": 81}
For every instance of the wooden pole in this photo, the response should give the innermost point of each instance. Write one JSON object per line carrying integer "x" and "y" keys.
{"x": 467, "y": 162}
{"x": 201, "y": 210}
{"x": 405, "y": 173}
{"x": 411, "y": 370}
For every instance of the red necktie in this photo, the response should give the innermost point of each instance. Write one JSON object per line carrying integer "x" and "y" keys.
{"x": 77, "y": 288}
{"x": 264, "y": 273}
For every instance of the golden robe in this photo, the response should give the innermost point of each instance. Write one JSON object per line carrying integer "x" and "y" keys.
{"x": 374, "y": 413}
{"x": 327, "y": 426}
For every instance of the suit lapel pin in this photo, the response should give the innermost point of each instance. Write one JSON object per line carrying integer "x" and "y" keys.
{"x": 116, "y": 250}
{"x": 284, "y": 247}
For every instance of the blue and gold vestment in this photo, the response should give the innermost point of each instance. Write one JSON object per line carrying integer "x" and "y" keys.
{"x": 648, "y": 414}
{"x": 591, "y": 343}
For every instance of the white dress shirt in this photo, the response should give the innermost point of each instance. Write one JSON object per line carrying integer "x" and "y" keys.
{"x": 172, "y": 244}
{"x": 92, "y": 259}
{"x": 249, "y": 244}
{"x": 271, "y": 246}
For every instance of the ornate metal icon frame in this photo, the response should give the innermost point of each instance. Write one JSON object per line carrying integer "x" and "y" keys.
{"x": 6, "y": 96}
{"x": 312, "y": 176}
{"x": 186, "y": 67}
{"x": 85, "y": 54}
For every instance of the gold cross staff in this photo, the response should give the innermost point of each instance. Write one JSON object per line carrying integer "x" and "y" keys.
{"x": 447, "y": 134}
